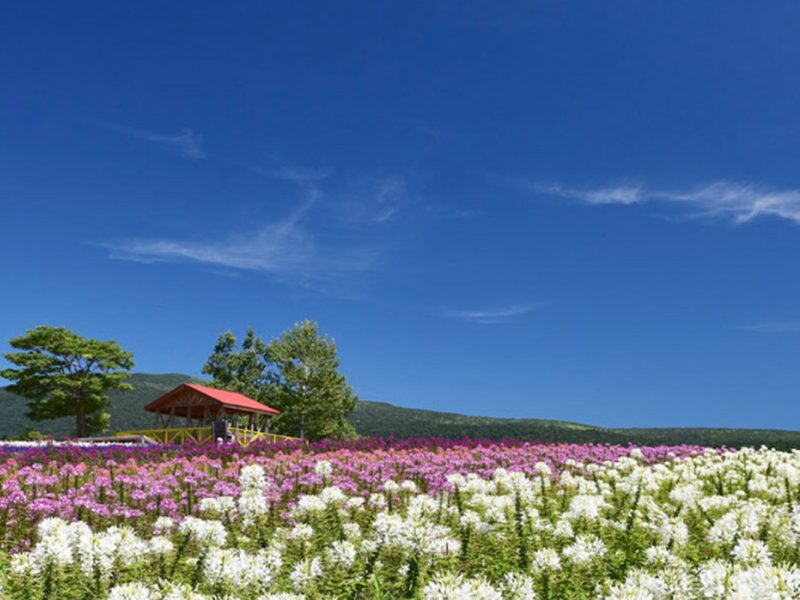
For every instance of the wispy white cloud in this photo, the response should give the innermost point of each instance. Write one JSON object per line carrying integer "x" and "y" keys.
{"x": 286, "y": 248}
{"x": 729, "y": 200}
{"x": 388, "y": 198}
{"x": 772, "y": 327}
{"x": 371, "y": 201}
{"x": 302, "y": 176}
{"x": 492, "y": 316}
{"x": 355, "y": 201}
{"x": 624, "y": 194}
{"x": 187, "y": 143}
{"x": 276, "y": 248}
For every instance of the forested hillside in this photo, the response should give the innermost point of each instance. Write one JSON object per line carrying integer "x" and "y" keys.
{"x": 127, "y": 408}
{"x": 381, "y": 419}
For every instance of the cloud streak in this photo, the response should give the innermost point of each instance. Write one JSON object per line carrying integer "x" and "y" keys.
{"x": 364, "y": 201}
{"x": 304, "y": 177}
{"x": 723, "y": 200}
{"x": 492, "y": 316}
{"x": 186, "y": 143}
{"x": 373, "y": 201}
{"x": 772, "y": 327}
{"x": 610, "y": 195}
{"x": 285, "y": 248}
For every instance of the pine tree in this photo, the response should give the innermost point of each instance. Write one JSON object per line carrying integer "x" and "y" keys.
{"x": 306, "y": 386}
{"x": 63, "y": 374}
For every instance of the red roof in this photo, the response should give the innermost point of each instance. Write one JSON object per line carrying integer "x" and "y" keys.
{"x": 230, "y": 400}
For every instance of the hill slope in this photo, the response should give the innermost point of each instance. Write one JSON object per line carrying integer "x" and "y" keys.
{"x": 381, "y": 419}
{"x": 127, "y": 408}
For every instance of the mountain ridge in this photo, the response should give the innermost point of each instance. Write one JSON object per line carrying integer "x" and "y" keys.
{"x": 384, "y": 419}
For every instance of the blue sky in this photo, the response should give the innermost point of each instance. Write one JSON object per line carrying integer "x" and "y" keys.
{"x": 577, "y": 210}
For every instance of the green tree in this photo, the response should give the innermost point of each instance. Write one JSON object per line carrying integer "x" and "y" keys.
{"x": 243, "y": 371}
{"x": 63, "y": 374}
{"x": 306, "y": 386}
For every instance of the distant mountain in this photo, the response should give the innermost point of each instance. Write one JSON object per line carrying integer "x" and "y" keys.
{"x": 381, "y": 419}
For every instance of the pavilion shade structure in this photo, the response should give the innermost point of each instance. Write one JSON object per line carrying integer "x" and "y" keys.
{"x": 190, "y": 402}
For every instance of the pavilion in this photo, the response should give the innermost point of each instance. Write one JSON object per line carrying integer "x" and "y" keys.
{"x": 193, "y": 412}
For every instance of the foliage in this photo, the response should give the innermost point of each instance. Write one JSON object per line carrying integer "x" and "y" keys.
{"x": 32, "y": 435}
{"x": 296, "y": 373}
{"x": 244, "y": 371}
{"x": 63, "y": 374}
{"x": 451, "y": 520}
{"x": 313, "y": 397}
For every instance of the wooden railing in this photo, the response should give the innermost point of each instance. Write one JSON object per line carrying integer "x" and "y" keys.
{"x": 245, "y": 437}
{"x": 174, "y": 435}
{"x": 181, "y": 435}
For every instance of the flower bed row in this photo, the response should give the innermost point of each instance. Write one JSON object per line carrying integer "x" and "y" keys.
{"x": 470, "y": 520}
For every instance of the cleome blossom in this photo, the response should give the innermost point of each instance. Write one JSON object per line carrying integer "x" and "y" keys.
{"x": 499, "y": 521}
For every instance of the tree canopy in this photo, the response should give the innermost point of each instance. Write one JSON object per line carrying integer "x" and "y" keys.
{"x": 296, "y": 373}
{"x": 244, "y": 371}
{"x": 61, "y": 374}
{"x": 313, "y": 397}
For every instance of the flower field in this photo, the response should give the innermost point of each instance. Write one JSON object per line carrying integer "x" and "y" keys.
{"x": 414, "y": 519}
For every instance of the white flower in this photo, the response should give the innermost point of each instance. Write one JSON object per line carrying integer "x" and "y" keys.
{"x": 332, "y": 495}
{"x": 301, "y": 531}
{"x": 724, "y": 529}
{"x": 179, "y": 591}
{"x": 202, "y": 531}
{"x": 252, "y": 504}
{"x": 218, "y": 505}
{"x": 752, "y": 552}
{"x": 586, "y": 507}
{"x": 470, "y": 519}
{"x": 252, "y": 477}
{"x": 764, "y": 581}
{"x": 163, "y": 524}
{"x": 517, "y": 586}
{"x": 455, "y": 587}
{"x": 659, "y": 555}
{"x": 639, "y": 585}
{"x": 585, "y": 549}
{"x": 352, "y": 531}
{"x": 159, "y": 545}
{"x": 457, "y": 480}
{"x": 323, "y": 468}
{"x": 546, "y": 559}
{"x": 563, "y": 529}
{"x": 132, "y": 591}
{"x": 241, "y": 569}
{"x": 342, "y": 553}
{"x": 376, "y": 501}
{"x": 308, "y": 504}
{"x": 305, "y": 572}
{"x": 409, "y": 487}
{"x": 354, "y": 503}
{"x": 712, "y": 578}
{"x": 22, "y": 564}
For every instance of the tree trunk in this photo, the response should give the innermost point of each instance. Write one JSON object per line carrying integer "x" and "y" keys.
{"x": 81, "y": 426}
